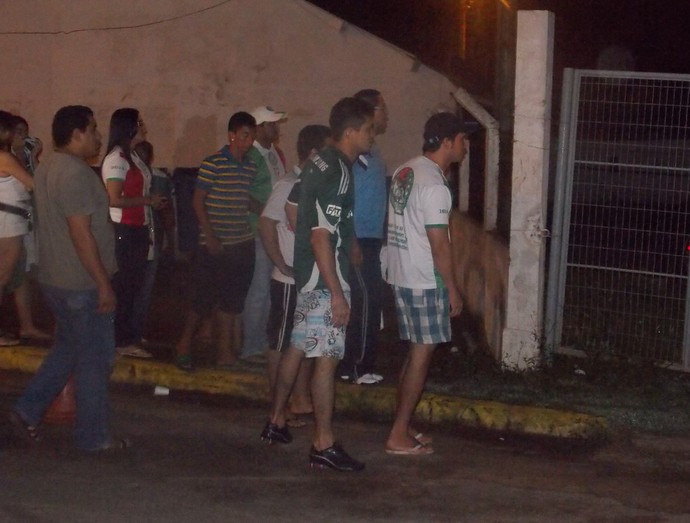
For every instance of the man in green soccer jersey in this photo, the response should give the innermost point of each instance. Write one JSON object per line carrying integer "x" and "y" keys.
{"x": 323, "y": 240}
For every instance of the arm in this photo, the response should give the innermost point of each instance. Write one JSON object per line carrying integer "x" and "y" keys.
{"x": 443, "y": 262}
{"x": 356, "y": 256}
{"x": 291, "y": 213}
{"x": 87, "y": 251}
{"x": 255, "y": 205}
{"x": 36, "y": 151}
{"x": 269, "y": 237}
{"x": 212, "y": 243}
{"x": 9, "y": 164}
{"x": 117, "y": 198}
{"x": 325, "y": 260}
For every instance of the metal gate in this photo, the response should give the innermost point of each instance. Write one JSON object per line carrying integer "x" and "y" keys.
{"x": 618, "y": 267}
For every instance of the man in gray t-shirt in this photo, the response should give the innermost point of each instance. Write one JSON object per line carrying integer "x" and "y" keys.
{"x": 76, "y": 249}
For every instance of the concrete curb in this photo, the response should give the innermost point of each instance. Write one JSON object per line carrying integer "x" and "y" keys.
{"x": 378, "y": 401}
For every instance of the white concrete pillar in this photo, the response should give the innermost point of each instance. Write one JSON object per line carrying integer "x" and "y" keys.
{"x": 522, "y": 335}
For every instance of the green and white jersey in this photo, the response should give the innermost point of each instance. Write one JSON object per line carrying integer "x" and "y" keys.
{"x": 326, "y": 201}
{"x": 419, "y": 200}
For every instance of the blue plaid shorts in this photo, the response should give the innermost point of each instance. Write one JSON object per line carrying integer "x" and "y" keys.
{"x": 423, "y": 315}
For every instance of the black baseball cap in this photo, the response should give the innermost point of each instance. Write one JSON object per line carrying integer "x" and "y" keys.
{"x": 446, "y": 125}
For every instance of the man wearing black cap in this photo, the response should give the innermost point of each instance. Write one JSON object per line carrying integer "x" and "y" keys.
{"x": 420, "y": 267}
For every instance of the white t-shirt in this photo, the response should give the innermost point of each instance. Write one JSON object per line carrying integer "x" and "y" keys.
{"x": 275, "y": 210}
{"x": 136, "y": 183}
{"x": 419, "y": 199}
{"x": 273, "y": 161}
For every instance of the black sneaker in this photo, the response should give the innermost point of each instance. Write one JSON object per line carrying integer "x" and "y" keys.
{"x": 22, "y": 430}
{"x": 334, "y": 457}
{"x": 272, "y": 433}
{"x": 113, "y": 447}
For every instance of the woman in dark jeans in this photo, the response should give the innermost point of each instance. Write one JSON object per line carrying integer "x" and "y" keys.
{"x": 127, "y": 181}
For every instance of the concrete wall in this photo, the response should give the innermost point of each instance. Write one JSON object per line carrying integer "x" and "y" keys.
{"x": 522, "y": 337}
{"x": 481, "y": 273}
{"x": 188, "y": 65}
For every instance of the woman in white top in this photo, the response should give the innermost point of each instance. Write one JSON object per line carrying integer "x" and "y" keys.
{"x": 15, "y": 184}
{"x": 127, "y": 180}
{"x": 27, "y": 150}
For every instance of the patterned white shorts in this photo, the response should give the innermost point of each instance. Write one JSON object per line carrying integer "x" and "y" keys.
{"x": 313, "y": 331}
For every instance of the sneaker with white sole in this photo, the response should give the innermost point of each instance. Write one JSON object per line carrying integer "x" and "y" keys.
{"x": 369, "y": 379}
{"x": 133, "y": 351}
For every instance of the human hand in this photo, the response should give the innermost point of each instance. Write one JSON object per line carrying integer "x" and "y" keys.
{"x": 106, "y": 299}
{"x": 158, "y": 201}
{"x": 455, "y": 301}
{"x": 340, "y": 311}
{"x": 213, "y": 245}
{"x": 36, "y": 146}
{"x": 287, "y": 271}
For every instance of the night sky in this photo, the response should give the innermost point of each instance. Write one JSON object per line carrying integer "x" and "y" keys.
{"x": 655, "y": 32}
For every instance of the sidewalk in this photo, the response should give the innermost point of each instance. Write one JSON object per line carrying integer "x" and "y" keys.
{"x": 376, "y": 401}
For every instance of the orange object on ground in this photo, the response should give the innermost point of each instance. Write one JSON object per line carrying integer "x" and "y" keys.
{"x": 64, "y": 407}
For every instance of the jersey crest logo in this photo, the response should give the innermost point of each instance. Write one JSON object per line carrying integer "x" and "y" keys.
{"x": 400, "y": 191}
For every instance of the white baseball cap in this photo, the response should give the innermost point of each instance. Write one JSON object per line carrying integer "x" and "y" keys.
{"x": 265, "y": 114}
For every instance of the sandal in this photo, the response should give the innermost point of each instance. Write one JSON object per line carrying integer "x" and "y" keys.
{"x": 113, "y": 446}
{"x": 297, "y": 420}
{"x": 417, "y": 450}
{"x": 423, "y": 439}
{"x": 35, "y": 335}
{"x": 27, "y": 434}
{"x": 7, "y": 341}
{"x": 184, "y": 362}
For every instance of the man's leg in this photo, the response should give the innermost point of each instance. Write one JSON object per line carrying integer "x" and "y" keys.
{"x": 272, "y": 362}
{"x": 288, "y": 368}
{"x": 371, "y": 274}
{"x": 412, "y": 380}
{"x": 58, "y": 365}
{"x": 95, "y": 358}
{"x": 225, "y": 327}
{"x": 300, "y": 399}
{"x": 356, "y": 327}
{"x": 184, "y": 346}
{"x": 257, "y": 304}
{"x": 204, "y": 295}
{"x": 323, "y": 397}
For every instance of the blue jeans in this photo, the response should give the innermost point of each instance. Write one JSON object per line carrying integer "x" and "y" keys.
{"x": 257, "y": 304}
{"x": 84, "y": 347}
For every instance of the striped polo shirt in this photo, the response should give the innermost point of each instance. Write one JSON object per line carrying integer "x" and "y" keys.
{"x": 227, "y": 182}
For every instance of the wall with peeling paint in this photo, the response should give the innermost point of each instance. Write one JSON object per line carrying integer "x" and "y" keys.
{"x": 189, "y": 64}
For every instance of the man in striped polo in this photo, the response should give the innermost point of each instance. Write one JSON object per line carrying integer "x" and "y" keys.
{"x": 225, "y": 256}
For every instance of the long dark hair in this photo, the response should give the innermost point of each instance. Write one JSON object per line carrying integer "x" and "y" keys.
{"x": 7, "y": 125}
{"x": 124, "y": 125}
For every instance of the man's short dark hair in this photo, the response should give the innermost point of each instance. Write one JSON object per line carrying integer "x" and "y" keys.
{"x": 439, "y": 127}
{"x": 349, "y": 113}
{"x": 239, "y": 120}
{"x": 309, "y": 138}
{"x": 368, "y": 95}
{"x": 66, "y": 120}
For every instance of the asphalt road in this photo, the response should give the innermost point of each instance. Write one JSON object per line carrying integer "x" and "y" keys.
{"x": 197, "y": 460}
